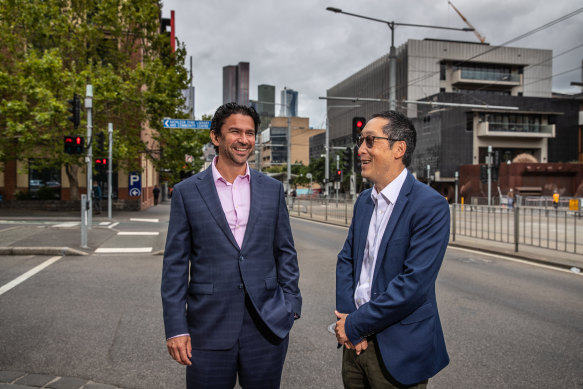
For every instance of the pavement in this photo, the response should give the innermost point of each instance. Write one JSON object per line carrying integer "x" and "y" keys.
{"x": 30, "y": 232}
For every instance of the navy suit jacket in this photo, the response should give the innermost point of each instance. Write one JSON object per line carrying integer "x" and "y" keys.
{"x": 402, "y": 312}
{"x": 205, "y": 274}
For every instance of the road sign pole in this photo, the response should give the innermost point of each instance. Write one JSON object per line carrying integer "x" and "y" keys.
{"x": 89, "y": 157}
{"x": 109, "y": 170}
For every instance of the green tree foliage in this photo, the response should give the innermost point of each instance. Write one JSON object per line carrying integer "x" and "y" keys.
{"x": 51, "y": 49}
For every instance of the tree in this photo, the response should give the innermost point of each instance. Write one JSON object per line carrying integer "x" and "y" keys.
{"x": 50, "y": 49}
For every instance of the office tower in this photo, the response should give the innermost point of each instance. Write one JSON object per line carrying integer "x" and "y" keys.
{"x": 236, "y": 83}
{"x": 289, "y": 102}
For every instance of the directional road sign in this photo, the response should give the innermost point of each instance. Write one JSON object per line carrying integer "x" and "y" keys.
{"x": 183, "y": 123}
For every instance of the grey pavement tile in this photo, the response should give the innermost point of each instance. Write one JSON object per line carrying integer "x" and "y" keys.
{"x": 67, "y": 383}
{"x": 9, "y": 376}
{"x": 10, "y": 386}
{"x": 99, "y": 386}
{"x": 36, "y": 380}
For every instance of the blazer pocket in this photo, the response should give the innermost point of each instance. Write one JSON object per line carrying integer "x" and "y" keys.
{"x": 271, "y": 283}
{"x": 423, "y": 312}
{"x": 201, "y": 288}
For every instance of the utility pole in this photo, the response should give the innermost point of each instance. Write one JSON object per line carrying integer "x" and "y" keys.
{"x": 109, "y": 170}
{"x": 89, "y": 157}
{"x": 489, "y": 162}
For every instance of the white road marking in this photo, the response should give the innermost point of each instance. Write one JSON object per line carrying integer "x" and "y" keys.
{"x": 104, "y": 223}
{"x": 123, "y": 250}
{"x": 113, "y": 225}
{"x": 515, "y": 260}
{"x": 145, "y": 220}
{"x": 67, "y": 225}
{"x": 28, "y": 274}
{"x": 146, "y": 233}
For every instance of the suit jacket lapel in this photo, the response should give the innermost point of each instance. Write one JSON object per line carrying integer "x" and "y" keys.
{"x": 208, "y": 192}
{"x": 397, "y": 210}
{"x": 361, "y": 235}
{"x": 255, "y": 208}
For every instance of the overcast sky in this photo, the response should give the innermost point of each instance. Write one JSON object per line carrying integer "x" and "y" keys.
{"x": 300, "y": 45}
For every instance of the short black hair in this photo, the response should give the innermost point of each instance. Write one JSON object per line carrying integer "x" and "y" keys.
{"x": 228, "y": 109}
{"x": 401, "y": 128}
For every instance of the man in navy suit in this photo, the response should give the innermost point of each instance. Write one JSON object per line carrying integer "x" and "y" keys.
{"x": 385, "y": 275}
{"x": 230, "y": 272}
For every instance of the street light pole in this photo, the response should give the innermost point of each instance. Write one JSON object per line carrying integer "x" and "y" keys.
{"x": 393, "y": 50}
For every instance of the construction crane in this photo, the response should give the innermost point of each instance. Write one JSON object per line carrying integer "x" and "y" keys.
{"x": 481, "y": 38}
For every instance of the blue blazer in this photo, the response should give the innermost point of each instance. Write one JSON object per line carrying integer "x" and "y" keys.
{"x": 205, "y": 274}
{"x": 402, "y": 312}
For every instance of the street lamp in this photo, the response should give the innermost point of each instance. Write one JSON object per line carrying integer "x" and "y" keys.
{"x": 393, "y": 51}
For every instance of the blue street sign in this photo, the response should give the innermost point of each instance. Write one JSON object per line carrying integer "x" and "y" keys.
{"x": 183, "y": 123}
{"x": 135, "y": 184}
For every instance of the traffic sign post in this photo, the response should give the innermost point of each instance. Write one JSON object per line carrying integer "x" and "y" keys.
{"x": 187, "y": 124}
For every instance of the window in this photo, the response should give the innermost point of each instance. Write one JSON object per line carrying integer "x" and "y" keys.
{"x": 44, "y": 183}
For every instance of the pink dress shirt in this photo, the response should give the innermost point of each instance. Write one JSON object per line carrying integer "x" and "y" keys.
{"x": 236, "y": 201}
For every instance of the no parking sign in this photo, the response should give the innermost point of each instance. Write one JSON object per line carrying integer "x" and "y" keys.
{"x": 135, "y": 184}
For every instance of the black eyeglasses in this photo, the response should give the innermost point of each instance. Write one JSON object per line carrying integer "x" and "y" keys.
{"x": 369, "y": 140}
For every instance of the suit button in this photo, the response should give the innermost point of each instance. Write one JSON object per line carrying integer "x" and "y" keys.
{"x": 241, "y": 258}
{"x": 241, "y": 286}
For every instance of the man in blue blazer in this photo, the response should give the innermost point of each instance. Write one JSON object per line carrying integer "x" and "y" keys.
{"x": 230, "y": 272}
{"x": 385, "y": 274}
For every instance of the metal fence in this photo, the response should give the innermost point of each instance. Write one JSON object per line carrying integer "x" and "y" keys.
{"x": 539, "y": 226}
{"x": 545, "y": 227}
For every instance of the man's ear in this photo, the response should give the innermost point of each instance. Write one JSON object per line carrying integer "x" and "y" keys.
{"x": 214, "y": 138}
{"x": 400, "y": 149}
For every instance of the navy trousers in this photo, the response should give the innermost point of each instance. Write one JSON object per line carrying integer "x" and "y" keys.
{"x": 257, "y": 358}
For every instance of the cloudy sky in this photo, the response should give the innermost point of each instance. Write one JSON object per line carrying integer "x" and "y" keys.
{"x": 300, "y": 45}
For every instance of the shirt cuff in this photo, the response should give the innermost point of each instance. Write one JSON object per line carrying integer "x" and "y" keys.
{"x": 176, "y": 336}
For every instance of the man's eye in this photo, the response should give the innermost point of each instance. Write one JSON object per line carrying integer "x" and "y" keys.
{"x": 250, "y": 133}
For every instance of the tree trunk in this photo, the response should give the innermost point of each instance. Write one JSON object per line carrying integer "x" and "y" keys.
{"x": 71, "y": 171}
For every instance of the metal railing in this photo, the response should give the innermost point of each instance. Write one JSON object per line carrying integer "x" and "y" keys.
{"x": 549, "y": 228}
{"x": 538, "y": 226}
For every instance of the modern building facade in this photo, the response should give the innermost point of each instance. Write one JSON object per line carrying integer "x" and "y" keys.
{"x": 236, "y": 83}
{"x": 489, "y": 95}
{"x": 289, "y": 102}
{"x": 271, "y": 148}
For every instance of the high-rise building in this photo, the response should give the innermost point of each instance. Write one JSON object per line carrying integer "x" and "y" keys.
{"x": 236, "y": 83}
{"x": 289, "y": 102}
{"x": 266, "y": 97}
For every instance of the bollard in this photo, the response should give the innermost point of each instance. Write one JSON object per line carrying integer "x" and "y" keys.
{"x": 84, "y": 221}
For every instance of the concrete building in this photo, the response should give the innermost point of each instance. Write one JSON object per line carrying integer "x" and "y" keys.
{"x": 271, "y": 148}
{"x": 517, "y": 81}
{"x": 236, "y": 83}
{"x": 265, "y": 105}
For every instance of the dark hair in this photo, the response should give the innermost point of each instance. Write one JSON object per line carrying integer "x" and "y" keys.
{"x": 228, "y": 109}
{"x": 401, "y": 128}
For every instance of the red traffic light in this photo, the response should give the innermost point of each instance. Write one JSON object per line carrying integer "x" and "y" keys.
{"x": 101, "y": 161}
{"x": 359, "y": 123}
{"x": 339, "y": 172}
{"x": 74, "y": 144}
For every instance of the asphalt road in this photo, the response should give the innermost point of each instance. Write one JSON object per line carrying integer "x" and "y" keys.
{"x": 507, "y": 324}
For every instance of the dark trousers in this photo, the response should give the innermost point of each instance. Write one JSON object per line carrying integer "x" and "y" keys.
{"x": 368, "y": 371}
{"x": 257, "y": 358}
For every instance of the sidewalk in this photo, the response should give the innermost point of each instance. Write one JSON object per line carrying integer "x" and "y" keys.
{"x": 20, "y": 380}
{"x": 31, "y": 232}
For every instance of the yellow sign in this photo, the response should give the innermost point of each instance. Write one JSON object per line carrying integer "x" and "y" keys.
{"x": 573, "y": 205}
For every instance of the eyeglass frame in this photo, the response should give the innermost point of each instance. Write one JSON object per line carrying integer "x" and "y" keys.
{"x": 363, "y": 139}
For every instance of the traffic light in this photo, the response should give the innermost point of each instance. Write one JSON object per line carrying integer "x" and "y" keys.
{"x": 357, "y": 165}
{"x": 347, "y": 159}
{"x": 74, "y": 144}
{"x": 358, "y": 123}
{"x": 101, "y": 164}
{"x": 339, "y": 175}
{"x": 100, "y": 141}
{"x": 75, "y": 109}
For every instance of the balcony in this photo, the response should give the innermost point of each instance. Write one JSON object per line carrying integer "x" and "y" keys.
{"x": 481, "y": 77}
{"x": 516, "y": 130}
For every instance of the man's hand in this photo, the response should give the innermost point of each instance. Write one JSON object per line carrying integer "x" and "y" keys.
{"x": 180, "y": 349}
{"x": 341, "y": 335}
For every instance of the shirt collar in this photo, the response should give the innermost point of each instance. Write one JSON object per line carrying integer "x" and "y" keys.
{"x": 390, "y": 193}
{"x": 217, "y": 175}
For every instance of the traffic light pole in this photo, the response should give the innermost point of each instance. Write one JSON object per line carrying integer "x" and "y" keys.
{"x": 109, "y": 169}
{"x": 489, "y": 161}
{"x": 89, "y": 157}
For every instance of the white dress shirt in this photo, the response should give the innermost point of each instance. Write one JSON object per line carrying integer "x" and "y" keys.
{"x": 384, "y": 204}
